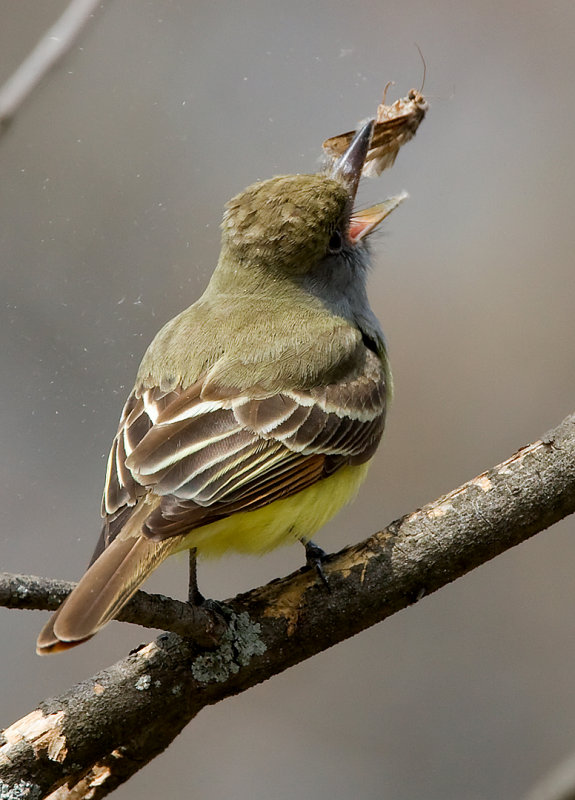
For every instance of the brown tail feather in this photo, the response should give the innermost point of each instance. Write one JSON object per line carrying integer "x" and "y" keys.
{"x": 103, "y": 590}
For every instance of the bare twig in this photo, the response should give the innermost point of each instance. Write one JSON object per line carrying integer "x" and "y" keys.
{"x": 50, "y": 49}
{"x": 148, "y": 610}
{"x": 99, "y": 733}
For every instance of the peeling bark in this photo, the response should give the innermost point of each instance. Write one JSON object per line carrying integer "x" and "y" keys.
{"x": 100, "y": 732}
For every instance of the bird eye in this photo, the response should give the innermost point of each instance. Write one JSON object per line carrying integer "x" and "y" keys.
{"x": 335, "y": 242}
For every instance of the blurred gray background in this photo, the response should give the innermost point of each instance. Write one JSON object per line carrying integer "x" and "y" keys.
{"x": 113, "y": 180}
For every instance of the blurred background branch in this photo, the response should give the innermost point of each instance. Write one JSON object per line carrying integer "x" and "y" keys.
{"x": 112, "y": 725}
{"x": 51, "y": 48}
{"x": 558, "y": 784}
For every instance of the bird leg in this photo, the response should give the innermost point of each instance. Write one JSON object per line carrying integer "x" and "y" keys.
{"x": 314, "y": 558}
{"x": 195, "y": 597}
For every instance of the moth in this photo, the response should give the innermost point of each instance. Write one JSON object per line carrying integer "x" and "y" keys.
{"x": 395, "y": 125}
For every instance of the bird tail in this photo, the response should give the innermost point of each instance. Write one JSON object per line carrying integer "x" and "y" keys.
{"x": 104, "y": 589}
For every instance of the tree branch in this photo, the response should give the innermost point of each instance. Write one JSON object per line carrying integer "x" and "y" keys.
{"x": 148, "y": 610}
{"x": 51, "y": 48}
{"x": 101, "y": 731}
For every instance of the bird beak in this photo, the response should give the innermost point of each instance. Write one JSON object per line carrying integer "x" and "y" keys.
{"x": 362, "y": 223}
{"x": 348, "y": 167}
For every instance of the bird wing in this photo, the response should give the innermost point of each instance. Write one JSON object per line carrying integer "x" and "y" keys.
{"x": 208, "y": 452}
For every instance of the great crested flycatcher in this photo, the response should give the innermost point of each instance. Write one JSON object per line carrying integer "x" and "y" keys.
{"x": 256, "y": 411}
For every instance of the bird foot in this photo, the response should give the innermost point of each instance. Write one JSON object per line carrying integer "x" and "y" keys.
{"x": 314, "y": 558}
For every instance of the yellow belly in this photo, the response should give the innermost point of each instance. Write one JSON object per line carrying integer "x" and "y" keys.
{"x": 282, "y": 522}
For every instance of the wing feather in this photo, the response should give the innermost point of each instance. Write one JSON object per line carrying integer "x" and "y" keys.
{"x": 190, "y": 475}
{"x": 208, "y": 458}
{"x": 290, "y": 425}
{"x": 167, "y": 443}
{"x": 175, "y": 516}
{"x": 265, "y": 415}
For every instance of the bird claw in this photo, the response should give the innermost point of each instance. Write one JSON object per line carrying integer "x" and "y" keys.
{"x": 314, "y": 558}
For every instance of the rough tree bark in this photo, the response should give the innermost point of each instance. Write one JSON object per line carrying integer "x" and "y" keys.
{"x": 100, "y": 732}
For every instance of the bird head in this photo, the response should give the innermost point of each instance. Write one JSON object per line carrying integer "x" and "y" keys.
{"x": 290, "y": 223}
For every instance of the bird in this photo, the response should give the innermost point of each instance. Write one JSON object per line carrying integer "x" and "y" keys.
{"x": 255, "y": 412}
